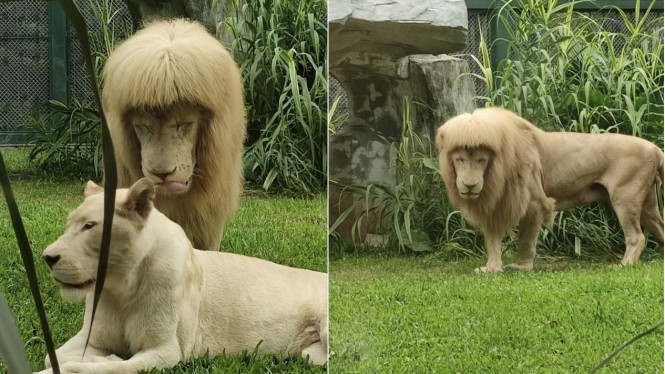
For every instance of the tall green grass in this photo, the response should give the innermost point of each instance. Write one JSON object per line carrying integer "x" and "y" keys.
{"x": 564, "y": 72}
{"x": 282, "y": 51}
{"x": 67, "y": 141}
{"x": 574, "y": 71}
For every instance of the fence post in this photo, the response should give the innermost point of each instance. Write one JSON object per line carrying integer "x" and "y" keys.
{"x": 500, "y": 37}
{"x": 58, "y": 40}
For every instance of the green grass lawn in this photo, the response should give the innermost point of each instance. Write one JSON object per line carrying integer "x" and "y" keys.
{"x": 284, "y": 230}
{"x": 426, "y": 314}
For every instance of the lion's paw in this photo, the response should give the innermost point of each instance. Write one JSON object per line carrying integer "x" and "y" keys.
{"x": 74, "y": 367}
{"x": 110, "y": 357}
{"x": 486, "y": 269}
{"x": 516, "y": 266}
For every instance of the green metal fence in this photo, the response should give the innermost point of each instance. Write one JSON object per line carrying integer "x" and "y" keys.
{"x": 40, "y": 60}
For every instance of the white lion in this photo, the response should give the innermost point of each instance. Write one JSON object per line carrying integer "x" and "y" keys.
{"x": 500, "y": 170}
{"x": 165, "y": 302}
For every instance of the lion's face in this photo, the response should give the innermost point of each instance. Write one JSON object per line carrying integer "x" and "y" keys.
{"x": 168, "y": 140}
{"x": 470, "y": 166}
{"x": 74, "y": 257}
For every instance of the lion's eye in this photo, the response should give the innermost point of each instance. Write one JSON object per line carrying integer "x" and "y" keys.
{"x": 142, "y": 129}
{"x": 182, "y": 128}
{"x": 88, "y": 225}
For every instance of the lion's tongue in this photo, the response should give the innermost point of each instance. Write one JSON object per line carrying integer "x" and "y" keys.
{"x": 167, "y": 187}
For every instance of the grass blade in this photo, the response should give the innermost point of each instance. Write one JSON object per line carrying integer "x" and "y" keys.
{"x": 110, "y": 173}
{"x": 11, "y": 345}
{"x": 631, "y": 341}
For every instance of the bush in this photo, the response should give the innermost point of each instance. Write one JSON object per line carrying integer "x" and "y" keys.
{"x": 67, "y": 141}
{"x": 282, "y": 51}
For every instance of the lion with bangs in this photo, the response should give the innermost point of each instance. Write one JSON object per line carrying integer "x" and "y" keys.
{"x": 502, "y": 171}
{"x": 173, "y": 97}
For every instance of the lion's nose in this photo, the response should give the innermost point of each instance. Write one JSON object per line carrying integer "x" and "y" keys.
{"x": 470, "y": 186}
{"x": 51, "y": 260}
{"x": 163, "y": 175}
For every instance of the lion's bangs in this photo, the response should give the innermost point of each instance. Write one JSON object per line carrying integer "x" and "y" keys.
{"x": 153, "y": 69}
{"x": 470, "y": 131}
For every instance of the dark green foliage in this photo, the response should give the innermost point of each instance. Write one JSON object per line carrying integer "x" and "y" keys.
{"x": 282, "y": 51}
{"x": 573, "y": 71}
{"x": 68, "y": 141}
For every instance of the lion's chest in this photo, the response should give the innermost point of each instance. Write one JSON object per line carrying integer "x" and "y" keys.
{"x": 122, "y": 329}
{"x": 108, "y": 331}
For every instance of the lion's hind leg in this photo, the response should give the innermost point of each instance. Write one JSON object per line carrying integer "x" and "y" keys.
{"x": 628, "y": 208}
{"x": 651, "y": 219}
{"x": 312, "y": 341}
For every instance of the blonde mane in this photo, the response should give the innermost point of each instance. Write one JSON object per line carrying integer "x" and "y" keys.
{"x": 514, "y": 172}
{"x": 178, "y": 61}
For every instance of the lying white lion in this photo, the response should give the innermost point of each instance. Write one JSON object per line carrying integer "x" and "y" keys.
{"x": 165, "y": 302}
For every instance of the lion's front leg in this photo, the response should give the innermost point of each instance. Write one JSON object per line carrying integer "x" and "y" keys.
{"x": 207, "y": 236}
{"x": 529, "y": 228}
{"x": 72, "y": 351}
{"x": 163, "y": 356}
{"x": 526, "y": 245}
{"x": 493, "y": 244}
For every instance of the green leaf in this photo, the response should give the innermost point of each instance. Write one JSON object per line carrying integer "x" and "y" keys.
{"x": 431, "y": 163}
{"x": 420, "y": 241}
{"x": 110, "y": 172}
{"x": 11, "y": 345}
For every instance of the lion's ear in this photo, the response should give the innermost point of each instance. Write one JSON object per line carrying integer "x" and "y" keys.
{"x": 140, "y": 197}
{"x": 439, "y": 138}
{"x": 92, "y": 189}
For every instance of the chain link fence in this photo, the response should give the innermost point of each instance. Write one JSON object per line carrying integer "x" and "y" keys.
{"x": 79, "y": 82}
{"x": 25, "y": 59}
{"x": 24, "y": 66}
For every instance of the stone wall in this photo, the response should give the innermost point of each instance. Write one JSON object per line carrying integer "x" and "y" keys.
{"x": 381, "y": 53}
